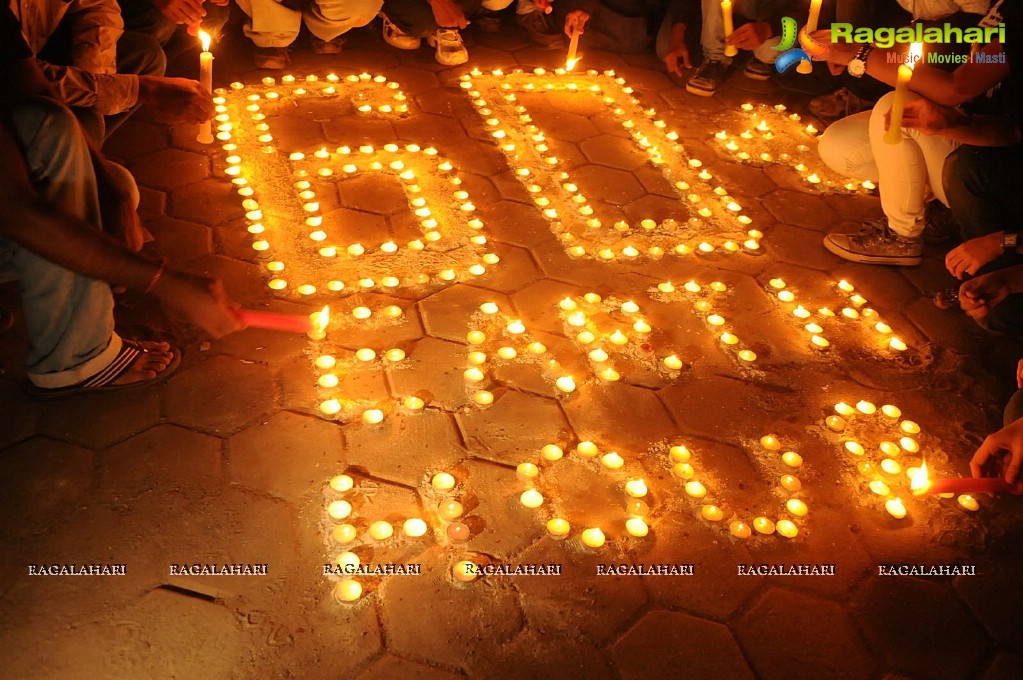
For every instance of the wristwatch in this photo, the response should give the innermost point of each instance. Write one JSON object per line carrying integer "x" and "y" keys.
{"x": 858, "y": 64}
{"x": 1010, "y": 239}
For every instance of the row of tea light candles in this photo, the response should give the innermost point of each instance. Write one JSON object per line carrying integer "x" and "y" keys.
{"x": 855, "y": 310}
{"x": 559, "y": 187}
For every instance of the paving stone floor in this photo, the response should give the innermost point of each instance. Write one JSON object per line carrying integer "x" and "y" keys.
{"x": 228, "y": 461}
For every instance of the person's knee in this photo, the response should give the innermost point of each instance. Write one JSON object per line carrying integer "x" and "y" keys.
{"x": 965, "y": 172}
{"x": 47, "y": 115}
{"x": 496, "y": 5}
{"x": 357, "y": 12}
{"x": 140, "y": 54}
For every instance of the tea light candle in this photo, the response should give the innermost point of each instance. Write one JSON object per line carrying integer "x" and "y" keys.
{"x": 968, "y": 502}
{"x": 679, "y": 454}
{"x": 558, "y": 527}
{"x": 593, "y": 537}
{"x": 672, "y": 362}
{"x": 586, "y": 449}
{"x": 696, "y": 489}
{"x": 450, "y": 510}
{"x": 909, "y": 427}
{"x": 527, "y": 471}
{"x": 889, "y": 449}
{"x": 344, "y": 533}
{"x": 746, "y": 355}
{"x": 865, "y": 407}
{"x": 683, "y": 470}
{"x": 844, "y": 409}
{"x": 879, "y": 487}
{"x": 531, "y": 498}
{"x": 890, "y": 467}
{"x": 855, "y": 448}
{"x": 372, "y": 416}
{"x": 348, "y": 590}
{"x": 909, "y": 444}
{"x": 381, "y": 530}
{"x": 636, "y": 488}
{"x": 787, "y": 528}
{"x": 895, "y": 508}
{"x": 443, "y": 481}
{"x": 891, "y": 411}
{"x": 342, "y": 483}
{"x": 712, "y": 513}
{"x": 483, "y": 398}
{"x": 790, "y": 483}
{"x": 835, "y": 423}
{"x": 414, "y": 527}
{"x": 458, "y": 532}
{"x": 763, "y": 525}
{"x": 796, "y": 507}
{"x": 770, "y": 442}
{"x": 464, "y": 571}
{"x": 565, "y": 383}
{"x": 339, "y": 509}
{"x": 739, "y": 529}
{"x": 612, "y": 461}
{"x": 792, "y": 459}
{"x": 552, "y": 452}
{"x": 637, "y": 527}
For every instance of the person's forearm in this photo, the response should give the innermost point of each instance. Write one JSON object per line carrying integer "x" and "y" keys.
{"x": 994, "y": 130}
{"x": 74, "y": 244}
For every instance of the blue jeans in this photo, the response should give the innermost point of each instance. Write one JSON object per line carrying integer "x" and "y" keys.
{"x": 69, "y": 317}
{"x": 712, "y": 38}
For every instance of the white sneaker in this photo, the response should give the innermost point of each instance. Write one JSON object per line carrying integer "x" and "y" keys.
{"x": 450, "y": 50}
{"x": 395, "y": 37}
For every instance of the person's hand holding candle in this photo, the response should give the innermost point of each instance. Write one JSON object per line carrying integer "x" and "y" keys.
{"x": 750, "y": 36}
{"x": 980, "y": 295}
{"x": 575, "y": 22}
{"x": 1001, "y": 452}
{"x": 544, "y": 6}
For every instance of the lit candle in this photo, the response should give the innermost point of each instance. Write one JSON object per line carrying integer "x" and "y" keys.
{"x": 637, "y": 526}
{"x": 443, "y": 481}
{"x": 895, "y": 508}
{"x": 712, "y": 513}
{"x": 894, "y": 134}
{"x": 787, "y": 528}
{"x": 975, "y": 485}
{"x": 414, "y": 527}
{"x": 344, "y": 533}
{"x": 586, "y": 449}
{"x": 763, "y": 525}
{"x": 770, "y": 442}
{"x": 739, "y": 529}
{"x": 835, "y": 423}
{"x": 593, "y": 537}
{"x": 342, "y": 483}
{"x": 205, "y": 135}
{"x": 558, "y": 528}
{"x": 464, "y": 571}
{"x": 573, "y": 49}
{"x": 636, "y": 488}
{"x": 726, "y": 16}
{"x": 531, "y": 498}
{"x": 792, "y": 459}
{"x": 968, "y": 502}
{"x": 339, "y": 509}
{"x": 612, "y": 461}
{"x": 292, "y": 323}
{"x": 381, "y": 530}
{"x": 796, "y": 507}
{"x": 790, "y": 483}
{"x": 348, "y": 590}
{"x": 815, "y": 13}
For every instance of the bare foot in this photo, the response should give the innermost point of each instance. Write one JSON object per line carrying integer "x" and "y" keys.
{"x": 155, "y": 358}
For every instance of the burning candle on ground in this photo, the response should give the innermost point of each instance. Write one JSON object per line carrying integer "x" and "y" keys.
{"x": 205, "y": 135}
{"x": 290, "y": 323}
{"x": 894, "y": 134}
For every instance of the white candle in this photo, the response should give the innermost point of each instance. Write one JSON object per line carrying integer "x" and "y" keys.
{"x": 205, "y": 135}
{"x": 894, "y": 134}
{"x": 726, "y": 15}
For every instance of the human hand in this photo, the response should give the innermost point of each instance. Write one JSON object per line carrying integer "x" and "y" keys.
{"x": 927, "y": 117}
{"x": 447, "y": 14}
{"x": 750, "y": 36}
{"x": 839, "y": 54}
{"x": 575, "y": 21}
{"x": 1019, "y": 374}
{"x": 176, "y": 100}
{"x": 676, "y": 52}
{"x": 544, "y": 5}
{"x": 968, "y": 257}
{"x": 1006, "y": 444}
{"x": 201, "y": 300}
{"x": 188, "y": 12}
{"x": 979, "y": 296}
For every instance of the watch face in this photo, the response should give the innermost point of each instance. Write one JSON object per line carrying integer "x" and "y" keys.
{"x": 857, "y": 67}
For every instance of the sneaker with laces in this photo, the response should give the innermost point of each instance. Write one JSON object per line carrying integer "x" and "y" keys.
{"x": 758, "y": 70}
{"x": 395, "y": 37}
{"x": 705, "y": 81}
{"x": 328, "y": 46}
{"x": 875, "y": 243}
{"x": 275, "y": 58}
{"x": 541, "y": 29}
{"x": 450, "y": 50}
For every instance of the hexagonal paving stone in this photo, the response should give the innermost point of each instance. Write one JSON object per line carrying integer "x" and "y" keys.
{"x": 541, "y": 655}
{"x": 404, "y": 447}
{"x": 449, "y": 618}
{"x": 563, "y": 605}
{"x": 161, "y": 457}
{"x": 597, "y": 414}
{"x": 447, "y": 313}
{"x": 783, "y": 637}
{"x": 135, "y": 138}
{"x": 651, "y": 648}
{"x": 38, "y": 478}
{"x": 607, "y": 184}
{"x": 373, "y": 193}
{"x": 808, "y": 212}
{"x": 515, "y": 270}
{"x": 20, "y": 414}
{"x": 170, "y": 168}
{"x": 711, "y": 411}
{"x": 234, "y": 394}
{"x": 514, "y": 425}
{"x": 919, "y": 627}
{"x": 100, "y": 419}
{"x": 517, "y": 224}
{"x": 500, "y": 525}
{"x": 389, "y": 667}
{"x": 613, "y": 152}
{"x": 346, "y": 226}
{"x": 428, "y": 129}
{"x": 433, "y": 373}
{"x": 994, "y": 599}
{"x": 288, "y": 455}
{"x": 209, "y": 202}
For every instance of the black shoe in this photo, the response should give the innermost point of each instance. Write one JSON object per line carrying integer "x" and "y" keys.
{"x": 705, "y": 82}
{"x": 939, "y": 225}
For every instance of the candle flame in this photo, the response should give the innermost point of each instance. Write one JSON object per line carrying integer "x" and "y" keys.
{"x": 916, "y": 52}
{"x": 321, "y": 320}
{"x": 918, "y": 479}
{"x": 570, "y": 64}
{"x": 204, "y": 37}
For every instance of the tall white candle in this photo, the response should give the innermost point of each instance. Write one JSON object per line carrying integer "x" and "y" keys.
{"x": 205, "y": 135}
{"x": 726, "y": 15}
{"x": 894, "y": 134}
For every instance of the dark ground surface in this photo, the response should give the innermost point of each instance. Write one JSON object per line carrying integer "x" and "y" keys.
{"x": 228, "y": 461}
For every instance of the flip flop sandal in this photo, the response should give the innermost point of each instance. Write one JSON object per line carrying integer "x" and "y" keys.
{"x": 103, "y": 381}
